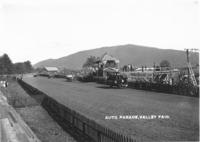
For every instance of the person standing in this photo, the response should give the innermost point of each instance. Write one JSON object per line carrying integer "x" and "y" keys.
{"x": 6, "y": 83}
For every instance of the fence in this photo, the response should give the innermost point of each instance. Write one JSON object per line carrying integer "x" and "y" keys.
{"x": 76, "y": 121}
{"x": 181, "y": 89}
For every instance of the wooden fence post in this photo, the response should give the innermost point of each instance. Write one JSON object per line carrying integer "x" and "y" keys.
{"x": 99, "y": 136}
{"x": 83, "y": 127}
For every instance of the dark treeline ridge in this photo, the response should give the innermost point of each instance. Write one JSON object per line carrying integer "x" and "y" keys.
{"x": 7, "y": 67}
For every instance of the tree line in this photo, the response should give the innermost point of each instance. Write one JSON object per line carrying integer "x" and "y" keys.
{"x": 91, "y": 61}
{"x": 7, "y": 67}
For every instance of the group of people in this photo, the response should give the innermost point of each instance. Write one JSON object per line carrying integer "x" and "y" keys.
{"x": 4, "y": 83}
{"x": 127, "y": 68}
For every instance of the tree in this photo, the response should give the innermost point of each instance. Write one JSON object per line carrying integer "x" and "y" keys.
{"x": 19, "y": 68}
{"x": 24, "y": 67}
{"x": 6, "y": 65}
{"x": 91, "y": 61}
{"x": 165, "y": 63}
{"x": 28, "y": 66}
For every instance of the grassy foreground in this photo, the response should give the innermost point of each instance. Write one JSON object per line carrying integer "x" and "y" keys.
{"x": 46, "y": 129}
{"x": 96, "y": 101}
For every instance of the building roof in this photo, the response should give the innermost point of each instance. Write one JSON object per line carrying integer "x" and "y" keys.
{"x": 51, "y": 68}
{"x": 107, "y": 57}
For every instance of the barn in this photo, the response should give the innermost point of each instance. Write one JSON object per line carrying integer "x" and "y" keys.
{"x": 49, "y": 71}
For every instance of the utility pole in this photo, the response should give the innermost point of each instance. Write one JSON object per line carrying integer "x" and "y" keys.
{"x": 188, "y": 60}
{"x": 190, "y": 72}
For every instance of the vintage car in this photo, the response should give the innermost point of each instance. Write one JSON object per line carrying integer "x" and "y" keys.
{"x": 117, "y": 79}
{"x": 69, "y": 77}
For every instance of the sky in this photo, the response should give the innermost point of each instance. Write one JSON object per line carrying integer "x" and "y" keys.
{"x": 41, "y": 29}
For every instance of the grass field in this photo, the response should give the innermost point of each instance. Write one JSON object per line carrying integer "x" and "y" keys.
{"x": 46, "y": 129}
{"x": 97, "y": 101}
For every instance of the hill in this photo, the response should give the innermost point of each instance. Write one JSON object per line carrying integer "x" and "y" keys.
{"x": 127, "y": 54}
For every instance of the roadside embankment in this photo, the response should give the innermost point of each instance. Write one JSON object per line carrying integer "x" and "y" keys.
{"x": 12, "y": 126}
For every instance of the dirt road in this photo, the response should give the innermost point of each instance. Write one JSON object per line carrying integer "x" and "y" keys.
{"x": 176, "y": 116}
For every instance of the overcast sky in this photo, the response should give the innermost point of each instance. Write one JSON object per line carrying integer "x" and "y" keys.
{"x": 40, "y": 29}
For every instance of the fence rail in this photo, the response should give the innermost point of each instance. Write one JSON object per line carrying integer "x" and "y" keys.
{"x": 80, "y": 123}
{"x": 181, "y": 89}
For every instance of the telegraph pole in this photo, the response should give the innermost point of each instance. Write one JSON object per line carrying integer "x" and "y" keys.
{"x": 188, "y": 60}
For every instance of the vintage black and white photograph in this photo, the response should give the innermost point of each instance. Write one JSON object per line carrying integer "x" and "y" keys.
{"x": 99, "y": 70}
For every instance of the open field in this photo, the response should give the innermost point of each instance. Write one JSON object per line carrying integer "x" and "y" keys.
{"x": 97, "y": 101}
